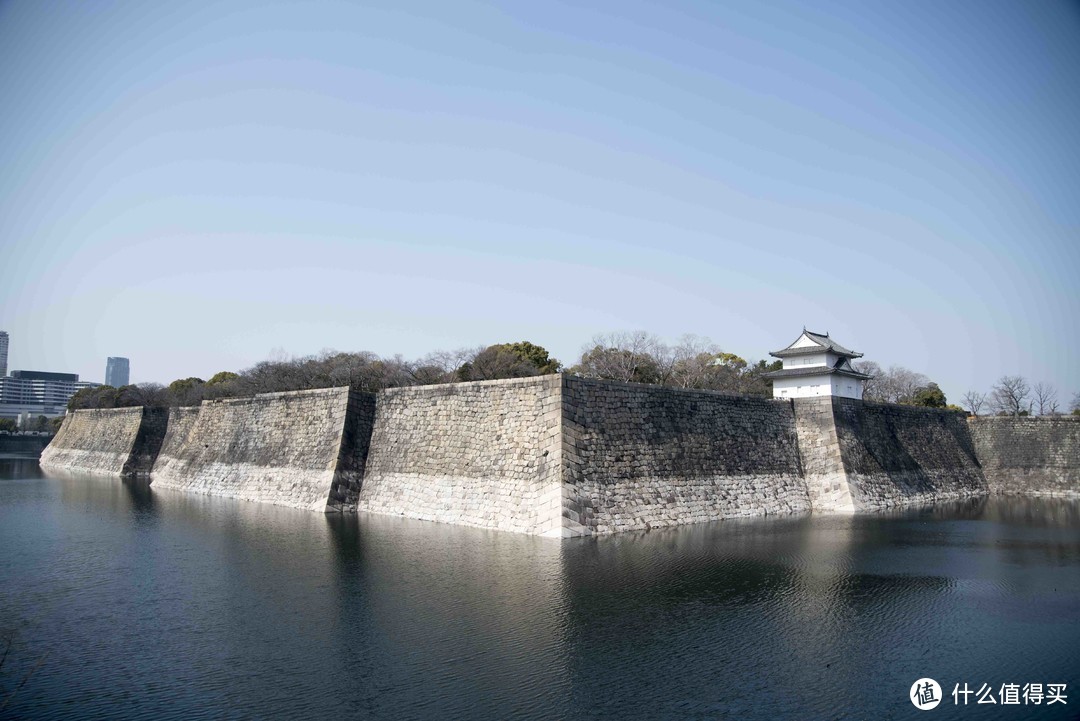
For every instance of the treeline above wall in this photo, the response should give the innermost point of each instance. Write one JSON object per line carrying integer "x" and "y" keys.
{"x": 693, "y": 362}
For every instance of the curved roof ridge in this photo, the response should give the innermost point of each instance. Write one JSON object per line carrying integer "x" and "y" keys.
{"x": 824, "y": 343}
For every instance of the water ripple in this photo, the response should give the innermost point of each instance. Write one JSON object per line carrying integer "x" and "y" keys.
{"x": 168, "y": 606}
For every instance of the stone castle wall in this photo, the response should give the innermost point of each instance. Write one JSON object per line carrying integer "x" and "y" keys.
{"x": 560, "y": 455}
{"x": 478, "y": 454}
{"x": 279, "y": 448}
{"x": 148, "y": 440}
{"x": 1029, "y": 455}
{"x": 353, "y": 451}
{"x": 820, "y": 454}
{"x": 181, "y": 421}
{"x": 895, "y": 455}
{"x": 113, "y": 441}
{"x": 638, "y": 456}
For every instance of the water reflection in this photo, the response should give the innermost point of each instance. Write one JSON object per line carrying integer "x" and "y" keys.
{"x": 19, "y": 468}
{"x": 454, "y": 612}
{"x": 165, "y": 604}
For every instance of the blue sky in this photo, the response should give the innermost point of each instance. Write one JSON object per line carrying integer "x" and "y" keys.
{"x": 199, "y": 185}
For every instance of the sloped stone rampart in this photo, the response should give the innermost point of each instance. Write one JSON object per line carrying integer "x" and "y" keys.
{"x": 895, "y": 455}
{"x": 110, "y": 441}
{"x": 819, "y": 452}
{"x": 1038, "y": 456}
{"x": 181, "y": 421}
{"x": 478, "y": 454}
{"x": 638, "y": 456}
{"x": 281, "y": 448}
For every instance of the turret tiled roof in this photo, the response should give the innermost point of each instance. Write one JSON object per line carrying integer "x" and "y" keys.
{"x": 824, "y": 343}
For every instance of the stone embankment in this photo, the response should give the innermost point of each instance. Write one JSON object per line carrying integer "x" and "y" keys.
{"x": 563, "y": 456}
{"x": 478, "y": 454}
{"x": 639, "y": 457}
{"x": 1037, "y": 456}
{"x": 117, "y": 441}
{"x": 304, "y": 449}
{"x": 897, "y": 455}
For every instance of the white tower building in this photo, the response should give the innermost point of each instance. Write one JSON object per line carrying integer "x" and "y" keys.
{"x": 816, "y": 365}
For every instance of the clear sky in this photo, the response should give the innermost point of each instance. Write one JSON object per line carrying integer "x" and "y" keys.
{"x": 196, "y": 185}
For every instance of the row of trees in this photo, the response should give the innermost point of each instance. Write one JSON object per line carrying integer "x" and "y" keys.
{"x": 364, "y": 371}
{"x": 638, "y": 357}
{"x": 901, "y": 385}
{"x": 37, "y": 424}
{"x": 693, "y": 362}
{"x": 1014, "y": 396}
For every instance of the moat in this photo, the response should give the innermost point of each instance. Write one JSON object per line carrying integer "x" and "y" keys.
{"x": 145, "y": 603}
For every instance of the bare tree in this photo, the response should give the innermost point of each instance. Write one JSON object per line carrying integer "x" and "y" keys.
{"x": 1045, "y": 399}
{"x": 631, "y": 356}
{"x": 872, "y": 391}
{"x": 905, "y": 382}
{"x": 974, "y": 402}
{"x": 450, "y": 360}
{"x": 388, "y": 373}
{"x": 896, "y": 385}
{"x": 437, "y": 367}
{"x": 687, "y": 363}
{"x": 346, "y": 369}
{"x": 1009, "y": 395}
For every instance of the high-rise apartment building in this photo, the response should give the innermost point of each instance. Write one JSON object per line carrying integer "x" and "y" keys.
{"x": 117, "y": 372}
{"x": 3, "y": 352}
{"x": 26, "y": 394}
{"x": 38, "y": 393}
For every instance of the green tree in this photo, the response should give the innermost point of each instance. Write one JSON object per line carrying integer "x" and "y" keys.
{"x": 185, "y": 391}
{"x": 222, "y": 377}
{"x": 753, "y": 382}
{"x": 537, "y": 355}
{"x": 9, "y": 425}
{"x": 145, "y": 394}
{"x": 507, "y": 360}
{"x": 730, "y": 360}
{"x": 494, "y": 362}
{"x": 96, "y": 397}
{"x": 929, "y": 396}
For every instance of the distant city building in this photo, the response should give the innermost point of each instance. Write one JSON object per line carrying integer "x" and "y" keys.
{"x": 38, "y": 393}
{"x": 46, "y": 376}
{"x": 3, "y": 352}
{"x": 816, "y": 365}
{"x": 117, "y": 372}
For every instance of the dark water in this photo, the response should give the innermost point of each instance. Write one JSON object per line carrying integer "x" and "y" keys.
{"x": 141, "y": 603}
